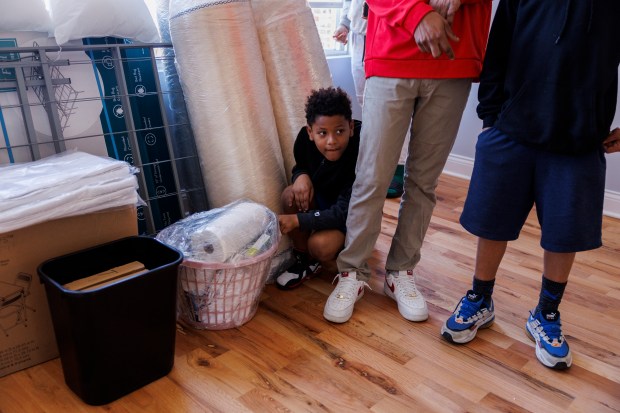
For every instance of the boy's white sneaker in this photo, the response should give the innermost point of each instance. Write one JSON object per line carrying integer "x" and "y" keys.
{"x": 339, "y": 305}
{"x": 400, "y": 287}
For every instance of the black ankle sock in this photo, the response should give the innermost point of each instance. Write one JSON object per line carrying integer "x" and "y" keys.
{"x": 551, "y": 293}
{"x": 483, "y": 288}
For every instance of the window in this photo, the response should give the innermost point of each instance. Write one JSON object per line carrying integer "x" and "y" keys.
{"x": 327, "y": 17}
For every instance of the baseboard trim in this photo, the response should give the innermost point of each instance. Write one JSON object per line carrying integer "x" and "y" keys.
{"x": 462, "y": 167}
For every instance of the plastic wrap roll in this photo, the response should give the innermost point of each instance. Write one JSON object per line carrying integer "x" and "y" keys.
{"x": 225, "y": 86}
{"x": 233, "y": 234}
{"x": 227, "y": 235}
{"x": 295, "y": 62}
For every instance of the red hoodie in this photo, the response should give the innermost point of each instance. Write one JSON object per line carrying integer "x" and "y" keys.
{"x": 391, "y": 50}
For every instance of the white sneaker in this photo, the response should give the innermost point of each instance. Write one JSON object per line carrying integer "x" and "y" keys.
{"x": 339, "y": 305}
{"x": 400, "y": 287}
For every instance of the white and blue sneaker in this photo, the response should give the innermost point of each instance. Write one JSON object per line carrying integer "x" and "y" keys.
{"x": 472, "y": 313}
{"x": 551, "y": 347}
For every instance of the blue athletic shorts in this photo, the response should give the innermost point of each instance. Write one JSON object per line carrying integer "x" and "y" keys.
{"x": 509, "y": 179}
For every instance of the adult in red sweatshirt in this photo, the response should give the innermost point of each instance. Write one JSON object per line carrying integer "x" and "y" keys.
{"x": 421, "y": 58}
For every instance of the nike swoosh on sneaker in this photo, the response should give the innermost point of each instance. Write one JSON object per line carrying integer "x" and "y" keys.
{"x": 391, "y": 286}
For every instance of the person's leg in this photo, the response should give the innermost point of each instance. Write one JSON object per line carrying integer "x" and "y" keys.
{"x": 498, "y": 202}
{"x": 476, "y": 310}
{"x": 543, "y": 324}
{"x": 489, "y": 256}
{"x": 397, "y": 187}
{"x": 436, "y": 120}
{"x": 324, "y": 246}
{"x": 388, "y": 105}
{"x": 437, "y": 114}
{"x": 303, "y": 265}
{"x": 357, "y": 44}
{"x": 569, "y": 205}
{"x": 557, "y": 265}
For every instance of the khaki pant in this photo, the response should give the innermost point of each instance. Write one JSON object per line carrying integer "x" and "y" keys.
{"x": 434, "y": 108}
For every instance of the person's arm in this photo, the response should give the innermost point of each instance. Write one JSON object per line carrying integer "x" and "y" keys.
{"x": 302, "y": 184}
{"x": 403, "y": 13}
{"x": 431, "y": 32}
{"x": 344, "y": 17}
{"x": 491, "y": 94}
{"x": 612, "y": 142}
{"x": 446, "y": 8}
{"x": 342, "y": 31}
{"x": 334, "y": 217}
{"x": 300, "y": 148}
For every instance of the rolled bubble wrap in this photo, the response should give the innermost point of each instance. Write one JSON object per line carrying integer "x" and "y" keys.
{"x": 225, "y": 86}
{"x": 295, "y": 63}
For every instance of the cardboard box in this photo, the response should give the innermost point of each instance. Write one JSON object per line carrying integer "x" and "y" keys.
{"x": 26, "y": 331}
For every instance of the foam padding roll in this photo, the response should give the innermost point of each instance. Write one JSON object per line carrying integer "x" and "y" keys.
{"x": 295, "y": 62}
{"x": 222, "y": 74}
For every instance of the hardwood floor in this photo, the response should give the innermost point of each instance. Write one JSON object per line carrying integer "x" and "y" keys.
{"x": 289, "y": 359}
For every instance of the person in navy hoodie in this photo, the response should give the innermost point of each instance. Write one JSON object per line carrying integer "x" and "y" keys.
{"x": 547, "y": 99}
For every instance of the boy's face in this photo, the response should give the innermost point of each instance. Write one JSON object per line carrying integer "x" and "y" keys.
{"x": 331, "y": 135}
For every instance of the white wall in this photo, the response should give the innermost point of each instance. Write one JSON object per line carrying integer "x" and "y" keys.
{"x": 462, "y": 157}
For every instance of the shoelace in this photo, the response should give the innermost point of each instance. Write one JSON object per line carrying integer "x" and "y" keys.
{"x": 469, "y": 309}
{"x": 407, "y": 286}
{"x": 552, "y": 329}
{"x": 347, "y": 285}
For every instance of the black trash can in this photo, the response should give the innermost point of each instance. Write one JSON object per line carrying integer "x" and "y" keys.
{"x": 117, "y": 338}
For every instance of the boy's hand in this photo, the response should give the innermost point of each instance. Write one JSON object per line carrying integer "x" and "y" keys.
{"x": 288, "y": 223}
{"x": 304, "y": 191}
{"x": 612, "y": 142}
{"x": 341, "y": 33}
{"x": 432, "y": 35}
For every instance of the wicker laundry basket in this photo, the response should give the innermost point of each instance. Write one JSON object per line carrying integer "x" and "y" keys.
{"x": 217, "y": 296}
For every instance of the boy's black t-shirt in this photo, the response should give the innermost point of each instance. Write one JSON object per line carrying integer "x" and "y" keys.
{"x": 332, "y": 181}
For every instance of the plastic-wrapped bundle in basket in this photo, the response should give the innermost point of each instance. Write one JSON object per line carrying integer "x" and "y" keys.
{"x": 227, "y": 255}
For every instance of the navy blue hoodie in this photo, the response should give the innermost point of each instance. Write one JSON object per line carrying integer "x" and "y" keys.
{"x": 550, "y": 76}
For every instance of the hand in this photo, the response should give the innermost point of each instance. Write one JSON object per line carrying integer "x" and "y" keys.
{"x": 288, "y": 223}
{"x": 612, "y": 142}
{"x": 446, "y": 8}
{"x": 303, "y": 191}
{"x": 432, "y": 35}
{"x": 340, "y": 35}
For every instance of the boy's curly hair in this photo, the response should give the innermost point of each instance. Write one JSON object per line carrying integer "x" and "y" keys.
{"x": 329, "y": 101}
